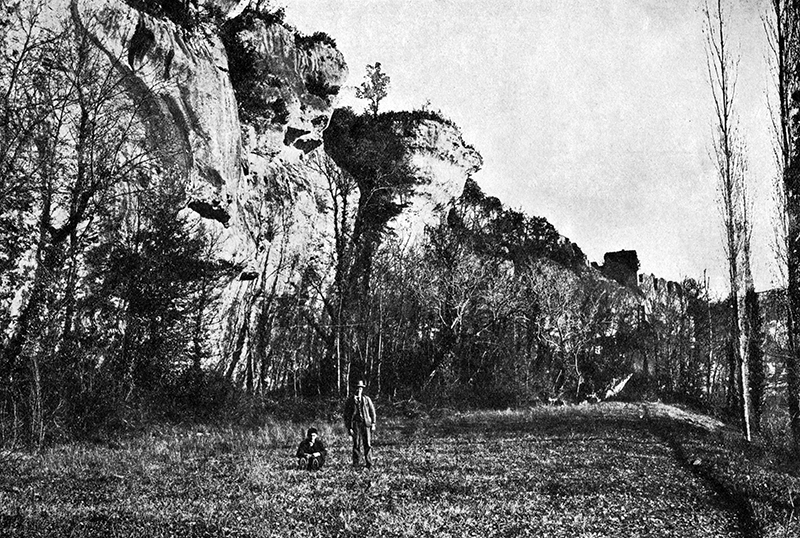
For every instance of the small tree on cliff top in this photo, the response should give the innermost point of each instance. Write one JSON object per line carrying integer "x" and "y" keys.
{"x": 374, "y": 88}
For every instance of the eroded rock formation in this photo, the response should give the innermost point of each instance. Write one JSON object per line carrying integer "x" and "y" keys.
{"x": 248, "y": 172}
{"x": 444, "y": 162}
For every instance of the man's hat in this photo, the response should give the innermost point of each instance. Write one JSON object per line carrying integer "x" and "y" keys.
{"x": 360, "y": 384}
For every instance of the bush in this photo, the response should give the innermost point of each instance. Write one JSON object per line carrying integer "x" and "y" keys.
{"x": 176, "y": 11}
{"x": 249, "y": 76}
{"x": 317, "y": 85}
{"x": 307, "y": 42}
{"x": 280, "y": 113}
{"x": 409, "y": 119}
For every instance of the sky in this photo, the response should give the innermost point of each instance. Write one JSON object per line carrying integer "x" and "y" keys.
{"x": 595, "y": 114}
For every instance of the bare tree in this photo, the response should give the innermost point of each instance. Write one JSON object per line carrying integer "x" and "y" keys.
{"x": 342, "y": 192}
{"x": 22, "y": 113}
{"x": 73, "y": 149}
{"x": 573, "y": 316}
{"x": 783, "y": 34}
{"x": 732, "y": 186}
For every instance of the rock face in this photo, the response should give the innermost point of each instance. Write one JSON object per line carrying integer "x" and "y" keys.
{"x": 622, "y": 266}
{"x": 444, "y": 162}
{"x": 253, "y": 183}
{"x": 189, "y": 108}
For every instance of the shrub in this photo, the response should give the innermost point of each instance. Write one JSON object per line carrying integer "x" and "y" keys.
{"x": 250, "y": 77}
{"x": 306, "y": 42}
{"x": 280, "y": 113}
{"x": 177, "y": 11}
{"x": 317, "y": 85}
{"x": 409, "y": 119}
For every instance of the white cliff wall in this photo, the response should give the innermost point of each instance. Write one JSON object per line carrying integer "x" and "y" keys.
{"x": 253, "y": 187}
{"x": 444, "y": 162}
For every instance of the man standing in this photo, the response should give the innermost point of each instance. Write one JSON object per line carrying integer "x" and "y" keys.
{"x": 311, "y": 452}
{"x": 359, "y": 419}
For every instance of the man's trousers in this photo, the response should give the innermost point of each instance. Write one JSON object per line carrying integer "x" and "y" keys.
{"x": 362, "y": 438}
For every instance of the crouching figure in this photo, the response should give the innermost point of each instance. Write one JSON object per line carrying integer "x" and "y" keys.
{"x": 311, "y": 452}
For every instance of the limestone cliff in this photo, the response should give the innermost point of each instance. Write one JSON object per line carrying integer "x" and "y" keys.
{"x": 245, "y": 143}
{"x": 444, "y": 162}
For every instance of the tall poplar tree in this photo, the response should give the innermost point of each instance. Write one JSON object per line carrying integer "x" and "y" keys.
{"x": 783, "y": 32}
{"x": 732, "y": 185}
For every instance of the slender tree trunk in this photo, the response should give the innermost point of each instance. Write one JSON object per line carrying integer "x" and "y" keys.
{"x": 380, "y": 343}
{"x": 793, "y": 329}
{"x": 709, "y": 374}
{"x": 36, "y": 403}
{"x": 755, "y": 358}
{"x": 784, "y": 40}
{"x": 339, "y": 356}
{"x": 733, "y": 200}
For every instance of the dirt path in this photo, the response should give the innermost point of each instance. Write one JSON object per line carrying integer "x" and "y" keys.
{"x": 662, "y": 420}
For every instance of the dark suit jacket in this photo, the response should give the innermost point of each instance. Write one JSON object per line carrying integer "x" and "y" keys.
{"x": 351, "y": 411}
{"x": 307, "y": 448}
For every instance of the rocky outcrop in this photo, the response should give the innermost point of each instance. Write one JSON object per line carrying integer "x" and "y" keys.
{"x": 444, "y": 162}
{"x": 249, "y": 156}
{"x": 229, "y": 8}
{"x": 187, "y": 103}
{"x": 302, "y": 80}
{"x": 622, "y": 266}
{"x": 245, "y": 183}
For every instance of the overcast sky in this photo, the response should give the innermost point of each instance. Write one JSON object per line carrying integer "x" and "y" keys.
{"x": 596, "y": 114}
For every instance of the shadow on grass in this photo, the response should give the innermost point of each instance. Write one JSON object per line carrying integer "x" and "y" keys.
{"x": 727, "y": 495}
{"x": 619, "y": 433}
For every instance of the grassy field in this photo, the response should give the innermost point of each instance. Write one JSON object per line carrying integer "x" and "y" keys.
{"x": 590, "y": 471}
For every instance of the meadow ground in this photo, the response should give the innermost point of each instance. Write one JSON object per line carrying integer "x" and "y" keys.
{"x": 609, "y": 469}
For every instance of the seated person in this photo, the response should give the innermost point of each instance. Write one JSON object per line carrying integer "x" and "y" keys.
{"x": 311, "y": 452}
